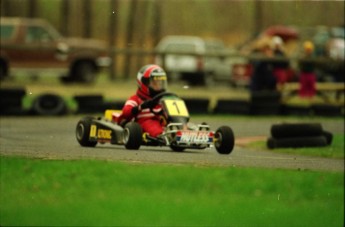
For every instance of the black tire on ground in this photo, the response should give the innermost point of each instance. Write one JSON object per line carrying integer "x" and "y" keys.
{"x": 132, "y": 136}
{"x": 328, "y": 136}
{"x": 297, "y": 142}
{"x": 82, "y": 132}
{"x": 224, "y": 140}
{"x": 296, "y": 130}
{"x": 49, "y": 104}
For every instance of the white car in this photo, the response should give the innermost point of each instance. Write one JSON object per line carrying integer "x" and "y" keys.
{"x": 183, "y": 57}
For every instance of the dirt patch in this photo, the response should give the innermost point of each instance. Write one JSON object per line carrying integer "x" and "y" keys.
{"x": 243, "y": 141}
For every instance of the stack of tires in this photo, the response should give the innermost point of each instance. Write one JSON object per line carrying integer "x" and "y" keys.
{"x": 11, "y": 101}
{"x": 89, "y": 103}
{"x": 296, "y": 135}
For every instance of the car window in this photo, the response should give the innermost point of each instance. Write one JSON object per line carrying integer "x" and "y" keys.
{"x": 214, "y": 46}
{"x": 37, "y": 34}
{"x": 6, "y": 31}
{"x": 185, "y": 47}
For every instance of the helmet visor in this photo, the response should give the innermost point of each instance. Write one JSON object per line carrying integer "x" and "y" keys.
{"x": 158, "y": 81}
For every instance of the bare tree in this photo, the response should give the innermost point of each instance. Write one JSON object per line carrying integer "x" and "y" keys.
{"x": 113, "y": 35}
{"x": 129, "y": 38}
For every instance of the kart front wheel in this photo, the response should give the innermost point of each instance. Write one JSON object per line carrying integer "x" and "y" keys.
{"x": 132, "y": 136}
{"x": 224, "y": 140}
{"x": 82, "y": 132}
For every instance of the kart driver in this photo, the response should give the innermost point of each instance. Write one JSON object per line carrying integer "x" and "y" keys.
{"x": 152, "y": 80}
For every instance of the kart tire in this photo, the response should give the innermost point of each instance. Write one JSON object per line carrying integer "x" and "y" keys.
{"x": 225, "y": 140}
{"x": 297, "y": 142}
{"x": 132, "y": 136}
{"x": 296, "y": 130}
{"x": 177, "y": 148}
{"x": 82, "y": 132}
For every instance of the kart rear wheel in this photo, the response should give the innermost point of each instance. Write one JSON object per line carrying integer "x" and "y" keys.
{"x": 82, "y": 132}
{"x": 132, "y": 136}
{"x": 224, "y": 140}
{"x": 177, "y": 148}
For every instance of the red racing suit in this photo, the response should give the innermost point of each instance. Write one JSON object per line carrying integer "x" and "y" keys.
{"x": 149, "y": 121}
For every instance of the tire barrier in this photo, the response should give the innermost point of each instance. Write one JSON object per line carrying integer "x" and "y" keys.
{"x": 296, "y": 130}
{"x": 295, "y": 110}
{"x": 328, "y": 136}
{"x": 297, "y": 142}
{"x": 265, "y": 103}
{"x": 89, "y": 103}
{"x": 295, "y": 135}
{"x": 49, "y": 105}
{"x": 114, "y": 105}
{"x": 11, "y": 101}
{"x": 239, "y": 107}
{"x": 326, "y": 110}
{"x": 197, "y": 106}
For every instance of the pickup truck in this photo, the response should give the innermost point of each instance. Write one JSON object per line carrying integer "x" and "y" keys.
{"x": 34, "y": 46}
{"x": 183, "y": 57}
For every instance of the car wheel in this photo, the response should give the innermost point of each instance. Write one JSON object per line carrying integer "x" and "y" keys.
{"x": 82, "y": 132}
{"x": 132, "y": 136}
{"x": 3, "y": 70}
{"x": 85, "y": 72}
{"x": 224, "y": 140}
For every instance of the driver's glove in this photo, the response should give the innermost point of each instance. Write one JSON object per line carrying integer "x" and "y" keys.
{"x": 146, "y": 104}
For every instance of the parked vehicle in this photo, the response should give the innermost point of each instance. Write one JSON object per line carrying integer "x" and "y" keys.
{"x": 34, "y": 46}
{"x": 194, "y": 59}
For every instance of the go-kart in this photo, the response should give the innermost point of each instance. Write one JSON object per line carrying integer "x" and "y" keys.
{"x": 178, "y": 133}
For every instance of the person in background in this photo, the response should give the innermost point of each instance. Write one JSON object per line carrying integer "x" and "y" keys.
{"x": 262, "y": 77}
{"x": 280, "y": 66}
{"x": 307, "y": 71}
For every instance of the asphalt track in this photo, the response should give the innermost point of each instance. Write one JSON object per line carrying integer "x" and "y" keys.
{"x": 54, "y": 138}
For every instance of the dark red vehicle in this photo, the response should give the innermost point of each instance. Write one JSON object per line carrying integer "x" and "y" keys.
{"x": 33, "y": 46}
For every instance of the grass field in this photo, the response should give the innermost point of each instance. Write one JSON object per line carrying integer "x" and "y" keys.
{"x": 87, "y": 193}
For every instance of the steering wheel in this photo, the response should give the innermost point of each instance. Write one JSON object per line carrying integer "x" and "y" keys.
{"x": 161, "y": 95}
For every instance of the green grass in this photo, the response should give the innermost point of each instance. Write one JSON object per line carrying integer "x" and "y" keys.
{"x": 335, "y": 150}
{"x": 85, "y": 192}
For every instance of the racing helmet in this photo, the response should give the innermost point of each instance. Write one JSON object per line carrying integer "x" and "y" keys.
{"x": 152, "y": 80}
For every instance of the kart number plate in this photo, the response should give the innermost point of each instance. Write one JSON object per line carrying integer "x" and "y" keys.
{"x": 194, "y": 137}
{"x": 176, "y": 108}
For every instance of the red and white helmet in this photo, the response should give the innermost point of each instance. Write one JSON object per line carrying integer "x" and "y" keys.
{"x": 152, "y": 80}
